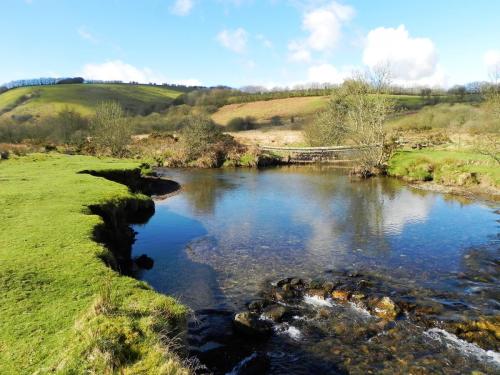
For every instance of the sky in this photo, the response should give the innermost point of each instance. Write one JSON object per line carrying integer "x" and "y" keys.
{"x": 250, "y": 42}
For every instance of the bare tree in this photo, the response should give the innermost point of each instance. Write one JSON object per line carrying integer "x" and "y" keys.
{"x": 111, "y": 131}
{"x": 356, "y": 114}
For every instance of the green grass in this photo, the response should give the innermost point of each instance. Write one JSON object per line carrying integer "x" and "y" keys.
{"x": 61, "y": 307}
{"x": 49, "y": 100}
{"x": 454, "y": 168}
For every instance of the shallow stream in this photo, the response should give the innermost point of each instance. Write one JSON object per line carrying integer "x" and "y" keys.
{"x": 229, "y": 234}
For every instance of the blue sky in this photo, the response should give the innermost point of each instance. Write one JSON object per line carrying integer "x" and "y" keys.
{"x": 250, "y": 42}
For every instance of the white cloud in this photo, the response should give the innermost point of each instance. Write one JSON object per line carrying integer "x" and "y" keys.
{"x": 182, "y": 7}
{"x": 265, "y": 42}
{"x": 298, "y": 52}
{"x": 117, "y": 70}
{"x": 410, "y": 60}
{"x": 326, "y": 73}
{"x": 324, "y": 25}
{"x": 492, "y": 61}
{"x": 120, "y": 71}
{"x": 86, "y": 35}
{"x": 324, "y": 28}
{"x": 234, "y": 40}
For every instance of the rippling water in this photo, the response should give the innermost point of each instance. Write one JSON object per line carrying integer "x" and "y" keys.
{"x": 228, "y": 232}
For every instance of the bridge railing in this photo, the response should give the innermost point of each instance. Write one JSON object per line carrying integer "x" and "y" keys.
{"x": 315, "y": 150}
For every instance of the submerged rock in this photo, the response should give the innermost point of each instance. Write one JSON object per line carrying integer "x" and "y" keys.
{"x": 249, "y": 323}
{"x": 316, "y": 284}
{"x": 341, "y": 295}
{"x": 283, "y": 282}
{"x": 385, "y": 308}
{"x": 328, "y": 286}
{"x": 257, "y": 305}
{"x": 485, "y": 332}
{"x": 255, "y": 364}
{"x": 296, "y": 282}
{"x": 274, "y": 312}
{"x": 144, "y": 262}
{"x": 283, "y": 295}
{"x": 319, "y": 293}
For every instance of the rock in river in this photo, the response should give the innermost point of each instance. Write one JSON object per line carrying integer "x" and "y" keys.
{"x": 144, "y": 262}
{"x": 319, "y": 293}
{"x": 385, "y": 308}
{"x": 341, "y": 295}
{"x": 274, "y": 312}
{"x": 249, "y": 323}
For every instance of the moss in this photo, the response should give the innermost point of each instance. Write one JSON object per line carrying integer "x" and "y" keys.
{"x": 52, "y": 273}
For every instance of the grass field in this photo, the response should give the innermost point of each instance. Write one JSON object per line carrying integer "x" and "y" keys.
{"x": 300, "y": 107}
{"x": 62, "y": 309}
{"x": 263, "y": 111}
{"x": 42, "y": 101}
{"x": 447, "y": 167}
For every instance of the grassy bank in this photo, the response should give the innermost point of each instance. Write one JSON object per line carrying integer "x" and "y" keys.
{"x": 464, "y": 169}
{"x": 62, "y": 309}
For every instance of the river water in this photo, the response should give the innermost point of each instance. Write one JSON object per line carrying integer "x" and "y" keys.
{"x": 229, "y": 233}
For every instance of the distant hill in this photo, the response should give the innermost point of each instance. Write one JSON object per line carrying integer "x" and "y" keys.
{"x": 40, "y": 101}
{"x": 301, "y": 108}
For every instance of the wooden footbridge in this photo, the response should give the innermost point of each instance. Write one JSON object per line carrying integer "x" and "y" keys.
{"x": 331, "y": 154}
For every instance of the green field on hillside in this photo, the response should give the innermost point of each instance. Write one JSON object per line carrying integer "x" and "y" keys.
{"x": 62, "y": 309}
{"x": 42, "y": 101}
{"x": 263, "y": 111}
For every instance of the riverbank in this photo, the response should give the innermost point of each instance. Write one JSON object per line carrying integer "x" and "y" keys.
{"x": 63, "y": 309}
{"x": 450, "y": 172}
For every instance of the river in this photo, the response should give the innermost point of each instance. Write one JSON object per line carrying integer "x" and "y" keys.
{"x": 228, "y": 234}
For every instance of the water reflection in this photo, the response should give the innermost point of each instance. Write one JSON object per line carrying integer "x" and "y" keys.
{"x": 228, "y": 231}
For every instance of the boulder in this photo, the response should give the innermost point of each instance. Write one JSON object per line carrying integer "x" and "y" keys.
{"x": 274, "y": 312}
{"x": 319, "y": 293}
{"x": 257, "y": 305}
{"x": 316, "y": 284}
{"x": 328, "y": 286}
{"x": 340, "y": 295}
{"x": 249, "y": 324}
{"x": 283, "y": 295}
{"x": 284, "y": 281}
{"x": 385, "y": 308}
{"x": 296, "y": 282}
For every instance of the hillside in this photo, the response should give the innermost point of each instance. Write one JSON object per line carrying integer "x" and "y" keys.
{"x": 264, "y": 111}
{"x": 300, "y": 108}
{"x": 42, "y": 101}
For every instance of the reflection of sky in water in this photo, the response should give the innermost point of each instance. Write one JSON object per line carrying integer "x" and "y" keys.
{"x": 229, "y": 230}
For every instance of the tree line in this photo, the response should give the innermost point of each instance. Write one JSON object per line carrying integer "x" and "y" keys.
{"x": 45, "y": 81}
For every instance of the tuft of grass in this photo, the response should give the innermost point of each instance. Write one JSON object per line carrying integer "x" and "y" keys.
{"x": 62, "y": 309}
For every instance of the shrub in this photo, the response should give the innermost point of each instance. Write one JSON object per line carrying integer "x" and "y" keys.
{"x": 69, "y": 127}
{"x": 276, "y": 120}
{"x": 111, "y": 131}
{"x": 198, "y": 134}
{"x": 240, "y": 123}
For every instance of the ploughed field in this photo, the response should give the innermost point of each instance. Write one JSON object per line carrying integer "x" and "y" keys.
{"x": 302, "y": 270}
